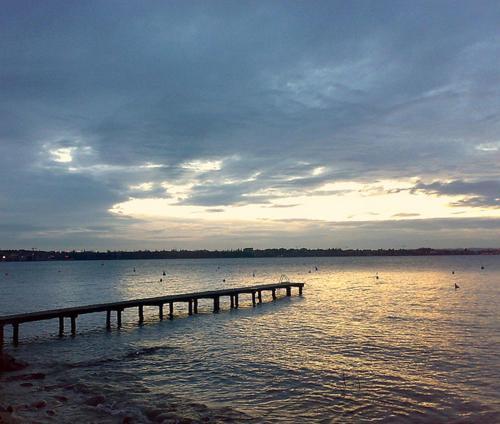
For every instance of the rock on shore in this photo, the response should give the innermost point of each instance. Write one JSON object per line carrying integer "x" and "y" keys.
{"x": 9, "y": 363}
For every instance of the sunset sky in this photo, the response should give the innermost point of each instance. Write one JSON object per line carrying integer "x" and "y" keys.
{"x": 225, "y": 124}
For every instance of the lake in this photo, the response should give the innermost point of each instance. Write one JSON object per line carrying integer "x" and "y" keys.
{"x": 404, "y": 347}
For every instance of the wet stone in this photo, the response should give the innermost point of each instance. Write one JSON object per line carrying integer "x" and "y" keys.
{"x": 23, "y": 377}
{"x": 153, "y": 413}
{"x": 39, "y": 405}
{"x": 95, "y": 400}
{"x": 9, "y": 363}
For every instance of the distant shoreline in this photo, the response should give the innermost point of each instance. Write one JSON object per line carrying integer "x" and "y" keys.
{"x": 40, "y": 255}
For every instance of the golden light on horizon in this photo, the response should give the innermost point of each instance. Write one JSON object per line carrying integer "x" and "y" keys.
{"x": 349, "y": 201}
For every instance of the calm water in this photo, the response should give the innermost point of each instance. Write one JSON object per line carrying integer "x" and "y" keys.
{"x": 405, "y": 347}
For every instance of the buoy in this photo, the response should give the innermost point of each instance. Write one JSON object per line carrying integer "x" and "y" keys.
{"x": 309, "y": 271}
{"x": 316, "y": 268}
{"x": 453, "y": 272}
{"x": 456, "y": 286}
{"x": 134, "y": 269}
{"x": 253, "y": 274}
{"x": 164, "y": 273}
{"x": 161, "y": 280}
{"x": 376, "y": 277}
{"x": 482, "y": 267}
{"x": 223, "y": 280}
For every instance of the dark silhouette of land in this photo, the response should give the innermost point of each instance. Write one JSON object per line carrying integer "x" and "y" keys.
{"x": 40, "y": 255}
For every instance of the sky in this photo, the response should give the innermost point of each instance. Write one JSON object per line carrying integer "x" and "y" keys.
{"x": 228, "y": 124}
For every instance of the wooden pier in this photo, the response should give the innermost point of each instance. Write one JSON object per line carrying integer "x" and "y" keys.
{"x": 190, "y": 298}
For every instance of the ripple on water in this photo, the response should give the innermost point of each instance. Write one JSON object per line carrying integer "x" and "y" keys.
{"x": 405, "y": 347}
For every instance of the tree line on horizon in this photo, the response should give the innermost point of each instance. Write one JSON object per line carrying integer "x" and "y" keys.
{"x": 40, "y": 255}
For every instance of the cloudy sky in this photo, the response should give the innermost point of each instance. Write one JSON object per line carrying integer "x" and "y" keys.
{"x": 224, "y": 124}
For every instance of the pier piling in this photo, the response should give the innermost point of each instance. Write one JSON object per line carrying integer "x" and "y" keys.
{"x": 73, "y": 325}
{"x": 171, "y": 310}
{"x": 190, "y": 307}
{"x": 273, "y": 291}
{"x": 15, "y": 334}
{"x": 141, "y": 314}
{"x": 108, "y": 319}
{"x": 160, "y": 311}
{"x": 61, "y": 326}
{"x": 253, "y": 299}
{"x": 119, "y": 318}
{"x": 216, "y": 304}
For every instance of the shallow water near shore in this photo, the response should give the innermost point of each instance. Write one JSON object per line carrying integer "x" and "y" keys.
{"x": 405, "y": 346}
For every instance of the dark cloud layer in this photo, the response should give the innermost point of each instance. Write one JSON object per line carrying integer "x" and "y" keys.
{"x": 478, "y": 193}
{"x": 133, "y": 91}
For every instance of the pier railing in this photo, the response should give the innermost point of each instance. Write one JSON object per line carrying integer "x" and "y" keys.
{"x": 118, "y": 307}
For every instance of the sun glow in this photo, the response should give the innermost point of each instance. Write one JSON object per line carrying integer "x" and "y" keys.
{"x": 203, "y": 165}
{"x": 62, "y": 155}
{"x": 142, "y": 187}
{"x": 348, "y": 201}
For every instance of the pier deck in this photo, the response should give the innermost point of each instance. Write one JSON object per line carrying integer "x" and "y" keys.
{"x": 190, "y": 298}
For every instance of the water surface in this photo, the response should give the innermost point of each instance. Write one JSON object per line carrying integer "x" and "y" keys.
{"x": 354, "y": 348}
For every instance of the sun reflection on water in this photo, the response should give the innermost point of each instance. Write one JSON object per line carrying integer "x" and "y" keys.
{"x": 371, "y": 339}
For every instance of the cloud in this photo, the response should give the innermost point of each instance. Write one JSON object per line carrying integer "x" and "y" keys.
{"x": 476, "y": 193}
{"x": 238, "y": 103}
{"x": 278, "y": 205}
{"x": 405, "y": 215}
